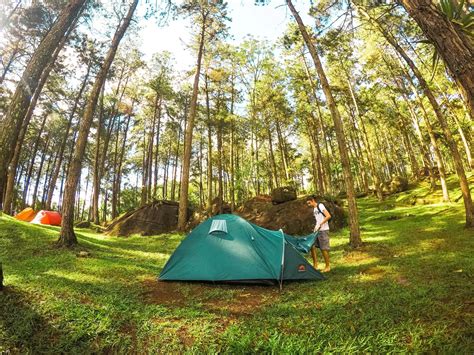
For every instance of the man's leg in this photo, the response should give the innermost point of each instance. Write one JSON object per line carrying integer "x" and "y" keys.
{"x": 326, "y": 260}
{"x": 315, "y": 258}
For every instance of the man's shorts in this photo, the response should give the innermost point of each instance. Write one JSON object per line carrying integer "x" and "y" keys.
{"x": 323, "y": 240}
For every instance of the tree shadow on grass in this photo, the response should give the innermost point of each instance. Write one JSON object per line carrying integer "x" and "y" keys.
{"x": 166, "y": 244}
{"x": 22, "y": 328}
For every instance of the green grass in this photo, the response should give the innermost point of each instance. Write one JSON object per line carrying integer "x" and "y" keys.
{"x": 408, "y": 289}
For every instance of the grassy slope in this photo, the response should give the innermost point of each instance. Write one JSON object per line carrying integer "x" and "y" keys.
{"x": 408, "y": 289}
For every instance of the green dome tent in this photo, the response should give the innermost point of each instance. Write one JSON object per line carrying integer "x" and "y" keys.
{"x": 228, "y": 248}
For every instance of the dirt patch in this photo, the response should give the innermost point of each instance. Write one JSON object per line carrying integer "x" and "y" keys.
{"x": 159, "y": 292}
{"x": 85, "y": 299}
{"x": 237, "y": 301}
{"x": 245, "y": 301}
{"x": 402, "y": 281}
{"x": 185, "y": 337}
{"x": 356, "y": 255}
{"x": 374, "y": 271}
{"x": 131, "y": 330}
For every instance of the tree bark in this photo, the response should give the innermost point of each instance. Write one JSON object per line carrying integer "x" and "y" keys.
{"x": 318, "y": 121}
{"x": 157, "y": 149}
{"x": 67, "y": 237}
{"x": 175, "y": 165}
{"x": 283, "y": 150}
{"x": 452, "y": 44}
{"x": 96, "y": 168}
{"x": 118, "y": 179}
{"x": 33, "y": 158}
{"x": 402, "y": 127}
{"x": 219, "y": 163}
{"x": 183, "y": 196}
{"x": 355, "y": 239}
{"x": 427, "y": 162}
{"x": 38, "y": 175}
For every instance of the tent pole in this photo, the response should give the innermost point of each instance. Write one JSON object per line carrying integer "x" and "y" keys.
{"x": 282, "y": 258}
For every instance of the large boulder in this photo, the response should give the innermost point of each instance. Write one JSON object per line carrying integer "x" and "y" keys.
{"x": 398, "y": 184}
{"x": 385, "y": 187}
{"x": 215, "y": 206}
{"x": 293, "y": 217}
{"x": 154, "y": 218}
{"x": 83, "y": 224}
{"x": 283, "y": 194}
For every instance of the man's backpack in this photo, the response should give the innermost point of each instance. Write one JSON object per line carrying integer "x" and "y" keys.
{"x": 320, "y": 211}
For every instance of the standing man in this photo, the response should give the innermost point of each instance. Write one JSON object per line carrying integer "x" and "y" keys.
{"x": 322, "y": 216}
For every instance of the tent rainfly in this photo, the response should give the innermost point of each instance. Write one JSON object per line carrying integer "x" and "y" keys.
{"x": 52, "y": 218}
{"x": 27, "y": 215}
{"x": 229, "y": 248}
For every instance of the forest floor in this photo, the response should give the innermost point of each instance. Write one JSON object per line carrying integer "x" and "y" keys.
{"x": 409, "y": 288}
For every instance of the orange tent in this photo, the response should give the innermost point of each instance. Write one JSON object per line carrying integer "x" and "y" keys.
{"x": 26, "y": 215}
{"x": 52, "y": 218}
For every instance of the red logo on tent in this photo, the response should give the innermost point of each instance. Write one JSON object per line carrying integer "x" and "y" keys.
{"x": 301, "y": 268}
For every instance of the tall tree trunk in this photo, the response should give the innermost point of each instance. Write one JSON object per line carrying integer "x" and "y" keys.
{"x": 426, "y": 157}
{"x": 209, "y": 167}
{"x": 274, "y": 181}
{"x": 283, "y": 150}
{"x": 10, "y": 127}
{"x": 201, "y": 173}
{"x": 319, "y": 123}
{"x": 175, "y": 166}
{"x": 149, "y": 165}
{"x": 62, "y": 148}
{"x": 232, "y": 164}
{"x": 402, "y": 127}
{"x": 157, "y": 149}
{"x": 319, "y": 162}
{"x": 355, "y": 239}
{"x": 101, "y": 155}
{"x": 435, "y": 144}
{"x": 96, "y": 168}
{"x": 183, "y": 196}
{"x": 209, "y": 143}
{"x": 115, "y": 174}
{"x": 359, "y": 159}
{"x": 165, "y": 175}
{"x": 10, "y": 184}
{"x": 47, "y": 182}
{"x": 40, "y": 170}
{"x": 67, "y": 237}
{"x": 452, "y": 44}
{"x": 33, "y": 158}
{"x": 122, "y": 154}
{"x": 257, "y": 162}
{"x": 83, "y": 208}
{"x": 232, "y": 146}
{"x": 143, "y": 200}
{"x": 220, "y": 165}
{"x": 373, "y": 170}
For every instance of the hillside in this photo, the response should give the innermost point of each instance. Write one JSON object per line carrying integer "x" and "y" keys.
{"x": 409, "y": 288}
